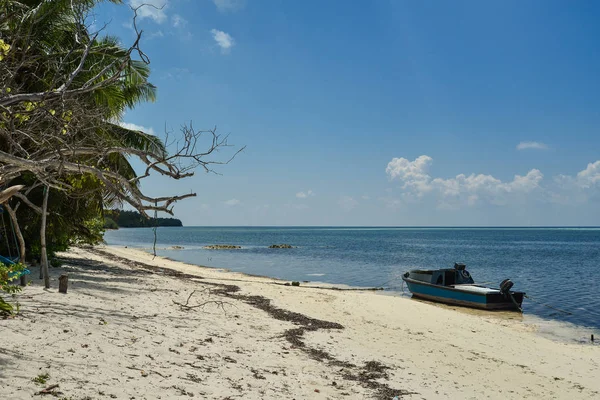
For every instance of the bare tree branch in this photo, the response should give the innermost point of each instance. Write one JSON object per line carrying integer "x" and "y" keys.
{"x": 63, "y": 132}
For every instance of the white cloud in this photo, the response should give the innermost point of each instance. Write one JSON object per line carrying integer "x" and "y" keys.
{"x": 579, "y": 188}
{"x": 178, "y": 21}
{"x": 462, "y": 189}
{"x": 153, "y": 9}
{"x": 347, "y": 203}
{"x": 304, "y": 195}
{"x": 412, "y": 173}
{"x": 224, "y": 40}
{"x": 229, "y": 5}
{"x": 590, "y": 176}
{"x": 365, "y": 197}
{"x": 135, "y": 127}
{"x": 532, "y": 145}
{"x": 232, "y": 202}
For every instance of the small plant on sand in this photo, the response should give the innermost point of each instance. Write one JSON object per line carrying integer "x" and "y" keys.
{"x": 41, "y": 379}
{"x": 7, "y": 275}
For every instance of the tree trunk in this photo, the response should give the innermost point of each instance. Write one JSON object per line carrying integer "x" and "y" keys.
{"x": 18, "y": 233}
{"x": 44, "y": 255}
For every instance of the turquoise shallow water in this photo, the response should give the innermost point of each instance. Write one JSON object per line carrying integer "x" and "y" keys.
{"x": 558, "y": 266}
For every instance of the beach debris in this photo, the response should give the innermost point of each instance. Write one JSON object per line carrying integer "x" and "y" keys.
{"x": 281, "y": 246}
{"x": 182, "y": 391}
{"x": 222, "y": 247}
{"x": 63, "y": 283}
{"x": 219, "y": 303}
{"x": 146, "y": 373}
{"x": 367, "y": 375}
{"x": 256, "y": 374}
{"x": 295, "y": 283}
{"x": 193, "y": 378}
{"x": 49, "y": 390}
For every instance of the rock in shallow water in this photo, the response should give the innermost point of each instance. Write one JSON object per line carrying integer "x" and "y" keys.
{"x": 222, "y": 247}
{"x": 281, "y": 246}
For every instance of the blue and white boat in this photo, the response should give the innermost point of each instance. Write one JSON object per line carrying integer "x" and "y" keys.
{"x": 456, "y": 286}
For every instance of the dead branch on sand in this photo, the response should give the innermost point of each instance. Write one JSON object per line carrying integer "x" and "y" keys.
{"x": 186, "y": 307}
{"x": 48, "y": 390}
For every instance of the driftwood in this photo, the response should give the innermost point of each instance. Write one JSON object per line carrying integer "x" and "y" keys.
{"x": 48, "y": 390}
{"x": 219, "y": 303}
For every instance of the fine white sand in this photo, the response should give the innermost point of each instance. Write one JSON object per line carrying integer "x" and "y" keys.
{"x": 119, "y": 334}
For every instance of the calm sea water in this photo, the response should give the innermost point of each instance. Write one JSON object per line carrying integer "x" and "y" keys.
{"x": 557, "y": 266}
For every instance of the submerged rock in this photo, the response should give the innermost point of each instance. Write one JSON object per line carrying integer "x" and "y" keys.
{"x": 281, "y": 246}
{"x": 222, "y": 247}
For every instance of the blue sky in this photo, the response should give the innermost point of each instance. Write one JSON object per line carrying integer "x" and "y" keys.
{"x": 380, "y": 112}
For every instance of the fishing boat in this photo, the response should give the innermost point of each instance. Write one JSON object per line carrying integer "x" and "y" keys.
{"x": 456, "y": 286}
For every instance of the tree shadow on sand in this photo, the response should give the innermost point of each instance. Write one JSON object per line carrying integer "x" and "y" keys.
{"x": 5, "y": 362}
{"x": 97, "y": 276}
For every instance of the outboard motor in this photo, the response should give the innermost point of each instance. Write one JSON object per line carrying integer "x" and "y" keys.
{"x": 505, "y": 286}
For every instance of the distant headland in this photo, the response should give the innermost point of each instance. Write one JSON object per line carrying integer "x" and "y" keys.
{"x": 115, "y": 219}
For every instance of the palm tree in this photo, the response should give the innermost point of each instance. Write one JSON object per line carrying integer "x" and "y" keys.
{"x": 51, "y": 42}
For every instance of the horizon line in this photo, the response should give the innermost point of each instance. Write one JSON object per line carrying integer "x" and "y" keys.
{"x": 387, "y": 226}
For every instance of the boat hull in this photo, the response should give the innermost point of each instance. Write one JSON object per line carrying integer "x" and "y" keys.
{"x": 453, "y": 296}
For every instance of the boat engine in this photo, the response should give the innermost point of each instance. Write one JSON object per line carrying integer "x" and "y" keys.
{"x": 505, "y": 286}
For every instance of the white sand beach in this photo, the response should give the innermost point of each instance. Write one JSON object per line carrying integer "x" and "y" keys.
{"x": 119, "y": 333}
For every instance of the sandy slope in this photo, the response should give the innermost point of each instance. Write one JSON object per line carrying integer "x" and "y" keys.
{"x": 119, "y": 334}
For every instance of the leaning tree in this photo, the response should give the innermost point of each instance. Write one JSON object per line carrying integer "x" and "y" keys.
{"x": 63, "y": 89}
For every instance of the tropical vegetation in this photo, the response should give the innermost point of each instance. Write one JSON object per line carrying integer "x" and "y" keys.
{"x": 64, "y": 89}
{"x": 114, "y": 219}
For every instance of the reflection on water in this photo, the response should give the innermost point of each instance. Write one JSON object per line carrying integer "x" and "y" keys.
{"x": 559, "y": 267}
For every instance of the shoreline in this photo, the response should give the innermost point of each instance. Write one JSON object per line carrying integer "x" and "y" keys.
{"x": 554, "y": 329}
{"x": 123, "y": 330}
{"x": 320, "y": 285}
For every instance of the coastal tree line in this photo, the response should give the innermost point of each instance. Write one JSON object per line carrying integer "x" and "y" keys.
{"x": 65, "y": 86}
{"x": 114, "y": 219}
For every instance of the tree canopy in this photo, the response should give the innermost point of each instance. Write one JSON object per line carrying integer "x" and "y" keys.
{"x": 64, "y": 88}
{"x": 133, "y": 219}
